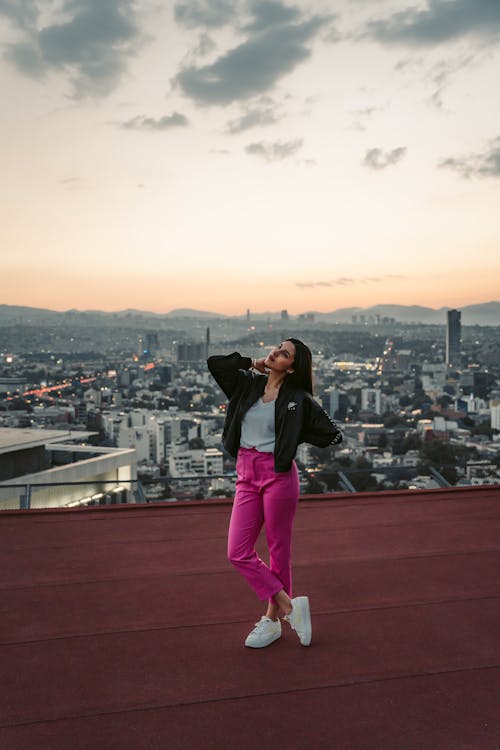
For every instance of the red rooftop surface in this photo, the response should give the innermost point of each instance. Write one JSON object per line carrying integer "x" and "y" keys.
{"x": 123, "y": 627}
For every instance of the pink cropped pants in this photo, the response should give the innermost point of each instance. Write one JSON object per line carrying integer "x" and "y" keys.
{"x": 263, "y": 497}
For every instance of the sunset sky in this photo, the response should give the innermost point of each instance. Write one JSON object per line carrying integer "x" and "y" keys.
{"x": 230, "y": 155}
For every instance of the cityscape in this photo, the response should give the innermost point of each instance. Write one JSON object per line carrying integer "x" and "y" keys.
{"x": 104, "y": 408}
{"x": 188, "y": 179}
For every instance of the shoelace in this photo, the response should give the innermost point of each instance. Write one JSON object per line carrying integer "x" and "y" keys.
{"x": 260, "y": 624}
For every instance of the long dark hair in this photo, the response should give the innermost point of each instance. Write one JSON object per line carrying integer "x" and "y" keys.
{"x": 301, "y": 377}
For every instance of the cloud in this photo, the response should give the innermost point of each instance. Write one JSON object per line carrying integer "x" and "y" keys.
{"x": 377, "y": 159}
{"x": 263, "y": 113}
{"x": 275, "y": 151}
{"x": 22, "y": 13}
{"x": 205, "y": 45}
{"x": 270, "y": 13}
{"x": 149, "y": 123}
{"x": 91, "y": 43}
{"x": 440, "y": 21}
{"x": 342, "y": 281}
{"x": 346, "y": 281}
{"x": 209, "y": 13}
{"x": 253, "y": 67}
{"x": 443, "y": 72}
{"x": 362, "y": 115}
{"x": 485, "y": 164}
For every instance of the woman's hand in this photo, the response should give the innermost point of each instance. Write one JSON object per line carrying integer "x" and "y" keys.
{"x": 258, "y": 364}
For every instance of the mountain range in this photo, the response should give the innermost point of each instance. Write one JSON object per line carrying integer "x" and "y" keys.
{"x": 485, "y": 314}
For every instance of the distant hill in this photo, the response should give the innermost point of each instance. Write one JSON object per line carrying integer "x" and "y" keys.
{"x": 187, "y": 312}
{"x": 483, "y": 314}
{"x": 486, "y": 314}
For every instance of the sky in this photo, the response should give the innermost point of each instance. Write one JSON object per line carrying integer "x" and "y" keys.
{"x": 260, "y": 155}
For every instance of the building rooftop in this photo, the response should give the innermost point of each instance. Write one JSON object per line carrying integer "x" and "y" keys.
{"x": 122, "y": 628}
{"x": 16, "y": 439}
{"x": 12, "y": 438}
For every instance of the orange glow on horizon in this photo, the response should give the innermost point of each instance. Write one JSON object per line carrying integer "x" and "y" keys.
{"x": 211, "y": 293}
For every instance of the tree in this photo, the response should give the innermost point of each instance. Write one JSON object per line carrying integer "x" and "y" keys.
{"x": 392, "y": 420}
{"x": 314, "y": 486}
{"x": 444, "y": 401}
{"x": 483, "y": 429}
{"x": 382, "y": 440}
{"x": 196, "y": 443}
{"x": 449, "y": 473}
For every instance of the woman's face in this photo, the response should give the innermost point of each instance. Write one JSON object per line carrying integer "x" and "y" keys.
{"x": 281, "y": 358}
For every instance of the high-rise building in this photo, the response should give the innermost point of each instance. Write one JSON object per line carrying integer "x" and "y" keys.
{"x": 189, "y": 351}
{"x": 453, "y": 338}
{"x": 331, "y": 401}
{"x": 147, "y": 345}
{"x": 495, "y": 414}
{"x": 371, "y": 400}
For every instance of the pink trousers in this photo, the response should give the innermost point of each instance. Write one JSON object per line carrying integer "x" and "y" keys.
{"x": 263, "y": 497}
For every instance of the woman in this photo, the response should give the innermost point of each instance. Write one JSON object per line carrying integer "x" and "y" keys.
{"x": 271, "y": 410}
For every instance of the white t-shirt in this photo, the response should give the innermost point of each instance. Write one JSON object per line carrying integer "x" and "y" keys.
{"x": 257, "y": 427}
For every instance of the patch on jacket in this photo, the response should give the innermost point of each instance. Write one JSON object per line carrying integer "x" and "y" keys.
{"x": 291, "y": 405}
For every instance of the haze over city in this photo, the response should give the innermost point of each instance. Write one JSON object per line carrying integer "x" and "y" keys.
{"x": 224, "y": 155}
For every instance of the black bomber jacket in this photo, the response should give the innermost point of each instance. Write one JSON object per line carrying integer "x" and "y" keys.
{"x": 298, "y": 417}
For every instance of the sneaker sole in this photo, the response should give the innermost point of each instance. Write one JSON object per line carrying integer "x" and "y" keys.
{"x": 263, "y": 645}
{"x": 303, "y": 602}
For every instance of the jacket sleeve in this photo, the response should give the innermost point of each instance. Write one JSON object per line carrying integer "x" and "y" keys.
{"x": 318, "y": 429}
{"x": 229, "y": 371}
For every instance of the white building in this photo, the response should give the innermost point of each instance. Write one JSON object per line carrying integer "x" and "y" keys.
{"x": 495, "y": 414}
{"x": 28, "y": 478}
{"x": 433, "y": 377}
{"x": 183, "y": 461}
{"x": 441, "y": 424}
{"x": 371, "y": 400}
{"x": 213, "y": 461}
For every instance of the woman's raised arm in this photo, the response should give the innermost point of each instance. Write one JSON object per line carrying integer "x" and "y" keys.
{"x": 229, "y": 370}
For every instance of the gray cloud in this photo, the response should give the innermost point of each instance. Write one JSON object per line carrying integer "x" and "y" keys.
{"x": 263, "y": 113}
{"x": 92, "y": 48}
{"x": 440, "y": 21}
{"x": 362, "y": 115}
{"x": 149, "y": 123}
{"x": 270, "y": 13}
{"x": 22, "y": 13}
{"x": 205, "y": 45}
{"x": 375, "y": 158}
{"x": 275, "y": 151}
{"x": 442, "y": 74}
{"x": 486, "y": 164}
{"x": 209, "y": 13}
{"x": 257, "y": 64}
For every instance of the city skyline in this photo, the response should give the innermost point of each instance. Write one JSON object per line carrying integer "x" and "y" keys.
{"x": 226, "y": 155}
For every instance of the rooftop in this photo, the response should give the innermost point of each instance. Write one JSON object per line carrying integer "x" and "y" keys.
{"x": 16, "y": 439}
{"x": 122, "y": 628}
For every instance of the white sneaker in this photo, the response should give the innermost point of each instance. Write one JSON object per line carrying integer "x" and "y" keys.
{"x": 300, "y": 619}
{"x": 265, "y": 632}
